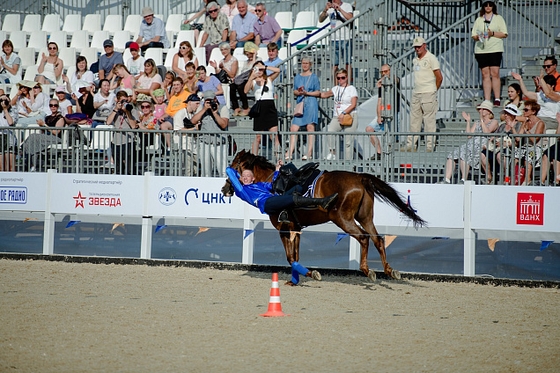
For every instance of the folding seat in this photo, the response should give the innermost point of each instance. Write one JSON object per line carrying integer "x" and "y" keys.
{"x": 19, "y": 39}
{"x": 185, "y": 35}
{"x": 91, "y": 54}
{"x": 120, "y": 39}
{"x": 156, "y": 54}
{"x": 174, "y": 22}
{"x": 60, "y": 38}
{"x": 168, "y": 63}
{"x": 284, "y": 19}
{"x": 37, "y": 40}
{"x": 68, "y": 55}
{"x": 132, "y": 24}
{"x": 27, "y": 57}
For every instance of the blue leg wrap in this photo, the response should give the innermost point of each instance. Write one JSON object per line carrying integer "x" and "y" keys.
{"x": 299, "y": 268}
{"x": 295, "y": 277}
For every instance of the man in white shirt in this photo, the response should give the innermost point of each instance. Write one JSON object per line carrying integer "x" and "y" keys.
{"x": 152, "y": 31}
{"x": 338, "y": 13}
{"x": 242, "y": 29}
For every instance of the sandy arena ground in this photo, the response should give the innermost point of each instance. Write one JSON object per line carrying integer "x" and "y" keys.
{"x": 69, "y": 317}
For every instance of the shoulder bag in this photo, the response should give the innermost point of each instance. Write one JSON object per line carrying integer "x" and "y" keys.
{"x": 256, "y": 108}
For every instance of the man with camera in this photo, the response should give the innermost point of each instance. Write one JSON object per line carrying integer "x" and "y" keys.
{"x": 213, "y": 147}
{"x": 123, "y": 117}
{"x": 185, "y": 133}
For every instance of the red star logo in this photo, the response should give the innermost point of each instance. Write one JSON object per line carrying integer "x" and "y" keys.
{"x": 79, "y": 200}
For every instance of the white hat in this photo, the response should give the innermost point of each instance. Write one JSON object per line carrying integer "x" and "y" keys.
{"x": 486, "y": 105}
{"x": 418, "y": 41}
{"x": 81, "y": 84}
{"x": 147, "y": 11}
{"x": 512, "y": 109}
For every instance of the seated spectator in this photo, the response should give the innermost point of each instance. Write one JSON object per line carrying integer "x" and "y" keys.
{"x": 228, "y": 64}
{"x": 38, "y": 142}
{"x": 167, "y": 84}
{"x": 182, "y": 58}
{"x": 30, "y": 104}
{"x": 210, "y": 83}
{"x": 242, "y": 26}
{"x": 108, "y": 60}
{"x": 550, "y": 68}
{"x": 160, "y": 106}
{"x": 64, "y": 104}
{"x": 237, "y": 87}
{"x": 8, "y": 141}
{"x": 468, "y": 154}
{"x": 103, "y": 102}
{"x": 152, "y": 32}
{"x": 135, "y": 63}
{"x": 552, "y": 155}
{"x": 10, "y": 64}
{"x": 231, "y": 8}
{"x": 266, "y": 28}
{"x": 215, "y": 29}
{"x": 122, "y": 78}
{"x": 212, "y": 119}
{"x": 122, "y": 144}
{"x": 530, "y": 148}
{"x": 514, "y": 97}
{"x": 84, "y": 104}
{"x": 191, "y": 79}
{"x": 149, "y": 80}
{"x": 82, "y": 74}
{"x": 50, "y": 67}
{"x": 546, "y": 98}
{"x": 177, "y": 101}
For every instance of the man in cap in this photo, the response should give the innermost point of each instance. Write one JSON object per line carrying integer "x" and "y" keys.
{"x": 108, "y": 60}
{"x": 213, "y": 147}
{"x": 152, "y": 31}
{"x": 424, "y": 104}
{"x": 185, "y": 131}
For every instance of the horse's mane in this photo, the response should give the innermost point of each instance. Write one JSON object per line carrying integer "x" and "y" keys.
{"x": 258, "y": 161}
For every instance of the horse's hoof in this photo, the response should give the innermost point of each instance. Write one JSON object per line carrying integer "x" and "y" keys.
{"x": 289, "y": 283}
{"x": 395, "y": 274}
{"x": 371, "y": 275}
{"x": 315, "y": 275}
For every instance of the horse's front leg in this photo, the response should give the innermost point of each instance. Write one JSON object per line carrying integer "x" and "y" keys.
{"x": 291, "y": 242}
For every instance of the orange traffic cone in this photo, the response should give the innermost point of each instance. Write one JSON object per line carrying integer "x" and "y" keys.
{"x": 274, "y": 305}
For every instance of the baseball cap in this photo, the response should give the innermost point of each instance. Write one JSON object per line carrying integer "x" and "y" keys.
{"x": 192, "y": 97}
{"x": 209, "y": 94}
{"x": 107, "y": 43}
{"x": 418, "y": 41}
{"x": 134, "y": 46}
{"x": 60, "y": 88}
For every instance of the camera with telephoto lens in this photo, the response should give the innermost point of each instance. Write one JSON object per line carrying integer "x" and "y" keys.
{"x": 5, "y": 102}
{"x": 213, "y": 104}
{"x": 126, "y": 106}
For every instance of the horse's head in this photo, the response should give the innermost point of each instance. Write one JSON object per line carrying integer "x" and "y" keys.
{"x": 237, "y": 164}
{"x": 227, "y": 189}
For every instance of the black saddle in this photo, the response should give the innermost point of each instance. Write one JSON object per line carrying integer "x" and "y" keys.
{"x": 290, "y": 176}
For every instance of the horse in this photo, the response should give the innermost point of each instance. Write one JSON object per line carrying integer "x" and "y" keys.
{"x": 356, "y": 192}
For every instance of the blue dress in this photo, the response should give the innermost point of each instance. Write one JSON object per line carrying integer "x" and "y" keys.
{"x": 310, "y": 105}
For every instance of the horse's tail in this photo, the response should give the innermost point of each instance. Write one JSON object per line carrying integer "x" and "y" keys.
{"x": 380, "y": 189}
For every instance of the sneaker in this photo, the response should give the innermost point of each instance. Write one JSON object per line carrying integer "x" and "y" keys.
{"x": 497, "y": 102}
{"x": 444, "y": 182}
{"x": 331, "y": 157}
{"x": 407, "y": 149}
{"x": 109, "y": 165}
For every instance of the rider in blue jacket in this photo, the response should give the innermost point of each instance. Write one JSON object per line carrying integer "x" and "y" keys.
{"x": 260, "y": 195}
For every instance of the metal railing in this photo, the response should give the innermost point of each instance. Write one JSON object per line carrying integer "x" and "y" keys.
{"x": 197, "y": 153}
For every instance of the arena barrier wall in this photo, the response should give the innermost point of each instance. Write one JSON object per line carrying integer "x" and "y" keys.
{"x": 468, "y": 212}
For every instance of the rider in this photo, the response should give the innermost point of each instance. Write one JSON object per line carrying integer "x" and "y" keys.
{"x": 260, "y": 194}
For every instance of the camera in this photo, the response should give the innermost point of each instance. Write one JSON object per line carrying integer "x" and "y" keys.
{"x": 213, "y": 104}
{"x": 188, "y": 124}
{"x": 5, "y": 101}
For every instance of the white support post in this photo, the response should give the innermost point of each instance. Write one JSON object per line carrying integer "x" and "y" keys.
{"x": 49, "y": 224}
{"x": 469, "y": 239}
{"x": 354, "y": 254}
{"x": 249, "y": 241}
{"x": 147, "y": 223}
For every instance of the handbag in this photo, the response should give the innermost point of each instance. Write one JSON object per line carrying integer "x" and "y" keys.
{"x": 347, "y": 120}
{"x": 242, "y": 78}
{"x": 298, "y": 111}
{"x": 223, "y": 77}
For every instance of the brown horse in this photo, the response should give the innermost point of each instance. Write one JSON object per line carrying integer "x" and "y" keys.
{"x": 356, "y": 192}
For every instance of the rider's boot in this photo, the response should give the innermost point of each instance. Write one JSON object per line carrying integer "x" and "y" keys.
{"x": 325, "y": 203}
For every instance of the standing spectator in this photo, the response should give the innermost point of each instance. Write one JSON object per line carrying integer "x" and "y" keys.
{"x": 10, "y": 63}
{"x": 183, "y": 56}
{"x": 469, "y": 153}
{"x": 213, "y": 147}
{"x": 273, "y": 59}
{"x": 550, "y": 64}
{"x": 122, "y": 145}
{"x": 210, "y": 83}
{"x": 8, "y": 143}
{"x": 152, "y": 31}
{"x": 135, "y": 63}
{"x": 82, "y": 74}
{"x": 149, "y": 80}
{"x": 488, "y": 31}
{"x": 237, "y": 87}
{"x": 424, "y": 105}
{"x": 215, "y": 29}
{"x": 50, "y": 67}
{"x": 242, "y": 26}
{"x": 108, "y": 60}
{"x": 267, "y": 30}
{"x": 338, "y": 13}
{"x": 103, "y": 102}
{"x": 306, "y": 88}
{"x": 546, "y": 98}
{"x": 380, "y": 124}
{"x": 267, "y": 120}
{"x": 552, "y": 155}
{"x": 345, "y": 103}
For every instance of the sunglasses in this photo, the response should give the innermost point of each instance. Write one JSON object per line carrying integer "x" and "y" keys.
{"x": 53, "y": 48}
{"x": 53, "y": 105}
{"x": 384, "y": 71}
{"x": 526, "y": 109}
{"x": 546, "y": 66}
{"x": 213, "y": 11}
{"x": 145, "y": 106}
{"x": 340, "y": 78}
{"x": 183, "y": 47}
{"x": 258, "y": 10}
{"x": 36, "y": 87}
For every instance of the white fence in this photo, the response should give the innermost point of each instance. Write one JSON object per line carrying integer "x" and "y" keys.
{"x": 466, "y": 211}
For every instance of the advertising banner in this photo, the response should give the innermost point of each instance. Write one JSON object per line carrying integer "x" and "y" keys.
{"x": 23, "y": 191}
